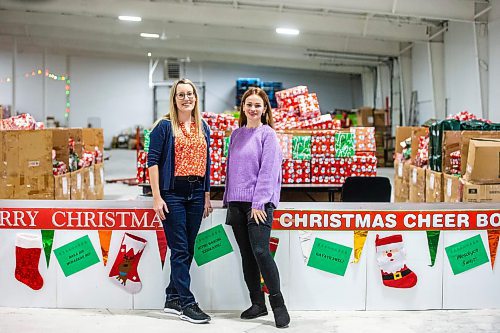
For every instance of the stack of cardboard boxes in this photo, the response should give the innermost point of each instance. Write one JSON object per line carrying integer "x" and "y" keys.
{"x": 481, "y": 181}
{"x": 26, "y": 165}
{"x": 470, "y": 168}
{"x": 370, "y": 117}
{"x": 409, "y": 179}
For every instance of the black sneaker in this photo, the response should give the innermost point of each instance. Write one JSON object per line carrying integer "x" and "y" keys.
{"x": 173, "y": 307}
{"x": 194, "y": 314}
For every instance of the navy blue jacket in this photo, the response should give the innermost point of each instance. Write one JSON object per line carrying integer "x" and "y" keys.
{"x": 162, "y": 153}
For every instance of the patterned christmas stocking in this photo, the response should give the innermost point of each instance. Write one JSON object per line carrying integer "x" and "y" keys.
{"x": 273, "y": 246}
{"x": 124, "y": 270}
{"x": 28, "y": 250}
{"x": 391, "y": 258}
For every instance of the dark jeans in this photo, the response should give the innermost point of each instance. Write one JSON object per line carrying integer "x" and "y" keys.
{"x": 185, "y": 204}
{"x": 253, "y": 241}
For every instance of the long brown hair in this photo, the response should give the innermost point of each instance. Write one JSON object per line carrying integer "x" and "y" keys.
{"x": 172, "y": 115}
{"x": 267, "y": 115}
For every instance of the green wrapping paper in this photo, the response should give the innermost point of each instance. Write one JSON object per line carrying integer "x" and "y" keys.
{"x": 344, "y": 145}
{"x": 433, "y": 242}
{"x": 301, "y": 147}
{"x": 227, "y": 140}
{"x": 146, "y": 140}
{"x": 47, "y": 241}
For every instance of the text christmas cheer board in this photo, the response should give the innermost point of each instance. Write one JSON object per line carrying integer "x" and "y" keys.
{"x": 145, "y": 219}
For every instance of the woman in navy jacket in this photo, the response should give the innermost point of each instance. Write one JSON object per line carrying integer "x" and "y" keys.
{"x": 179, "y": 172}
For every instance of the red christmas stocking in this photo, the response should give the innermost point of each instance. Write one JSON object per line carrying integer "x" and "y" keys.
{"x": 28, "y": 250}
{"x": 391, "y": 258}
{"x": 124, "y": 270}
{"x": 273, "y": 246}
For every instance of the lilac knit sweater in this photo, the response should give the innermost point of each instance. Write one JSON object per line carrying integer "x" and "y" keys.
{"x": 253, "y": 167}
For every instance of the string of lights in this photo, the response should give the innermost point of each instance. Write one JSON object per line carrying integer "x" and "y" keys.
{"x": 50, "y": 75}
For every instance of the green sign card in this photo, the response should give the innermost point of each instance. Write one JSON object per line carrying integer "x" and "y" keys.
{"x": 76, "y": 256}
{"x": 211, "y": 244}
{"x": 329, "y": 257}
{"x": 467, "y": 254}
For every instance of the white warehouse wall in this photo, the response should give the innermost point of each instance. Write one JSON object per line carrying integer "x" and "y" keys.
{"x": 5, "y": 72}
{"x": 334, "y": 90}
{"x": 422, "y": 83}
{"x": 116, "y": 90}
{"x": 461, "y": 69}
{"x": 494, "y": 65}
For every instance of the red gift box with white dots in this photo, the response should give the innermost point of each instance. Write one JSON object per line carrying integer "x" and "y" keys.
{"x": 296, "y": 171}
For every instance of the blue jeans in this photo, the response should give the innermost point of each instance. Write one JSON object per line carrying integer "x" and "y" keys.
{"x": 185, "y": 204}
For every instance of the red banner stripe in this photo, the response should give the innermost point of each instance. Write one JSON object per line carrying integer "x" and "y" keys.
{"x": 145, "y": 219}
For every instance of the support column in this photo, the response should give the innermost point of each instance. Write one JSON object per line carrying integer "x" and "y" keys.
{"x": 436, "y": 65}
{"x": 481, "y": 10}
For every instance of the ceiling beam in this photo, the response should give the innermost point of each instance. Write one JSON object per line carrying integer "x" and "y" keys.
{"x": 53, "y": 25}
{"x": 227, "y": 16}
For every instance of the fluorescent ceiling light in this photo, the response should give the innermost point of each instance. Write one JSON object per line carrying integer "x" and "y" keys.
{"x": 130, "y": 18}
{"x": 287, "y": 31}
{"x": 148, "y": 35}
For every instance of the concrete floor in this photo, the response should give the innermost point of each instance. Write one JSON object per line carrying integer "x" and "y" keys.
{"x": 108, "y": 321}
{"x": 122, "y": 165}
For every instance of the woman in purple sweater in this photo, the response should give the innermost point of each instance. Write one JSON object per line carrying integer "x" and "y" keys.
{"x": 252, "y": 193}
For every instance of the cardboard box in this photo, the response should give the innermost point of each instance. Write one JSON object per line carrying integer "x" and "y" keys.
{"x": 76, "y": 187}
{"x": 451, "y": 188}
{"x": 88, "y": 183}
{"x": 483, "y": 161}
{"x": 99, "y": 180}
{"x": 26, "y": 165}
{"x": 451, "y": 143}
{"x": 401, "y": 181}
{"x": 416, "y": 133}
{"x": 466, "y": 136}
{"x": 433, "y": 186}
{"x": 367, "y": 116}
{"x": 417, "y": 184}
{"x": 60, "y": 140}
{"x": 93, "y": 137}
{"x": 62, "y": 189}
{"x": 403, "y": 133}
{"x": 480, "y": 192}
{"x": 77, "y": 135}
{"x": 459, "y": 140}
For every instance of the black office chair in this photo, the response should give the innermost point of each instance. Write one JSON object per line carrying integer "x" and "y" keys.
{"x": 366, "y": 189}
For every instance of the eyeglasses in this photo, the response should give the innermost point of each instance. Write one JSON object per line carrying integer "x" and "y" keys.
{"x": 181, "y": 96}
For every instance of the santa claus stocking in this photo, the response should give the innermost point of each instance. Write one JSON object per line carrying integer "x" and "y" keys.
{"x": 391, "y": 258}
{"x": 28, "y": 250}
{"x": 124, "y": 270}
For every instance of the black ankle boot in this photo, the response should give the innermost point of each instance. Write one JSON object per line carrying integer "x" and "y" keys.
{"x": 258, "y": 308}
{"x": 281, "y": 316}
{"x": 254, "y": 311}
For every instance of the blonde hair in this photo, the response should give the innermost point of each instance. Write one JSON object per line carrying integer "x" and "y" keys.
{"x": 267, "y": 116}
{"x": 172, "y": 115}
